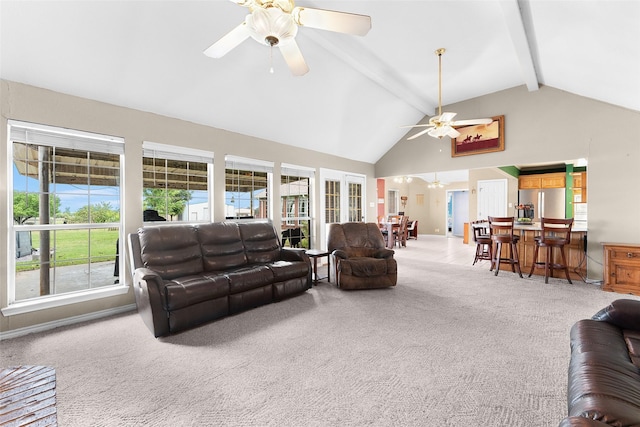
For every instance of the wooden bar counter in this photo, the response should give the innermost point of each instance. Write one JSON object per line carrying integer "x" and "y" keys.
{"x": 574, "y": 251}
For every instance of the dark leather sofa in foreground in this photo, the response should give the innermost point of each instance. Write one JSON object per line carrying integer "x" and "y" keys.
{"x": 604, "y": 372}
{"x": 186, "y": 275}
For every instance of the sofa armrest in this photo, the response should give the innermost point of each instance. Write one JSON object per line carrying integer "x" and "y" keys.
{"x": 623, "y": 313}
{"x": 146, "y": 288}
{"x": 293, "y": 254}
{"x": 384, "y": 253}
{"x": 581, "y": 422}
{"x": 339, "y": 253}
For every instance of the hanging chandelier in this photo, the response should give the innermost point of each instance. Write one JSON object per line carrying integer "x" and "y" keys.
{"x": 436, "y": 183}
{"x": 403, "y": 179}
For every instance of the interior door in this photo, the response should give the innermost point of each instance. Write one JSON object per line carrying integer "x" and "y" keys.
{"x": 492, "y": 198}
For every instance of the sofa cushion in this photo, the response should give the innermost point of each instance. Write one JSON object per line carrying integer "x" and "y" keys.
{"x": 366, "y": 267}
{"x": 171, "y": 251}
{"x": 260, "y": 242}
{"x": 286, "y": 270}
{"x": 632, "y": 338}
{"x": 190, "y": 290}
{"x": 221, "y": 245}
{"x": 246, "y": 278}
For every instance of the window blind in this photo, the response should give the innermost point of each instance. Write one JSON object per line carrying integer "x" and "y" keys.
{"x": 32, "y": 133}
{"x": 241, "y": 163}
{"x": 292, "y": 170}
{"x": 163, "y": 151}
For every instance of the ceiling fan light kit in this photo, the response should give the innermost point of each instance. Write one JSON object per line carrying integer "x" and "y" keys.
{"x": 443, "y": 124}
{"x": 276, "y": 22}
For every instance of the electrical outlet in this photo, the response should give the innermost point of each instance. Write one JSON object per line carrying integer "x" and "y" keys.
{"x": 437, "y": 230}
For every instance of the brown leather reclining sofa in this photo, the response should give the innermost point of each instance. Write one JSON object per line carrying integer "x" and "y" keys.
{"x": 186, "y": 275}
{"x": 604, "y": 372}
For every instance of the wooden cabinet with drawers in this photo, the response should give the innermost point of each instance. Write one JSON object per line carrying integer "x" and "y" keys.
{"x": 622, "y": 268}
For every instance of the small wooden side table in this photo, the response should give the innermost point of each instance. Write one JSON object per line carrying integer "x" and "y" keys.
{"x": 315, "y": 254}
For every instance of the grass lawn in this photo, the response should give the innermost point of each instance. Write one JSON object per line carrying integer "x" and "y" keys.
{"x": 72, "y": 247}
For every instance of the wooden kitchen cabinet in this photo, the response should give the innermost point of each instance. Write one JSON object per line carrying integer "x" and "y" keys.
{"x": 580, "y": 187}
{"x": 528, "y": 182}
{"x": 553, "y": 180}
{"x": 543, "y": 180}
{"x": 622, "y": 268}
{"x": 574, "y": 253}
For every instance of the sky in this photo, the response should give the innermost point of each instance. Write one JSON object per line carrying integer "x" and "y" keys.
{"x": 72, "y": 196}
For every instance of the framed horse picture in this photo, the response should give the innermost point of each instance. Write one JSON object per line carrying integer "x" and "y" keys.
{"x": 479, "y": 139}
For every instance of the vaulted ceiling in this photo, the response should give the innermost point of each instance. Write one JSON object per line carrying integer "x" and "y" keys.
{"x": 148, "y": 55}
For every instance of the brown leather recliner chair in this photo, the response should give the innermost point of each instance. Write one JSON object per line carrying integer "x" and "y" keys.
{"x": 361, "y": 259}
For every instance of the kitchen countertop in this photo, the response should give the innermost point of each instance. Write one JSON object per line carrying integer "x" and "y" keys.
{"x": 536, "y": 227}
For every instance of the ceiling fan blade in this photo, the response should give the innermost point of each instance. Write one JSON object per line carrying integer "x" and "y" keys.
{"x": 446, "y": 117}
{"x": 453, "y": 133}
{"x": 472, "y": 122}
{"x": 245, "y": 3}
{"x": 417, "y": 126}
{"x": 232, "y": 39}
{"x": 293, "y": 57}
{"x": 341, "y": 22}
{"x": 422, "y": 132}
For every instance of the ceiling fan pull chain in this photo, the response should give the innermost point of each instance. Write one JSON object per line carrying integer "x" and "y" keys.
{"x": 271, "y": 59}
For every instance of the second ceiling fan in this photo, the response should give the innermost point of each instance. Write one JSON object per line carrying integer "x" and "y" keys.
{"x": 443, "y": 124}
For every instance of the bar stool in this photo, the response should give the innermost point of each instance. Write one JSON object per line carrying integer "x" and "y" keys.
{"x": 483, "y": 240}
{"x": 501, "y": 232}
{"x": 555, "y": 233}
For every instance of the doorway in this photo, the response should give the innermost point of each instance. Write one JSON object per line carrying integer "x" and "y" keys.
{"x": 457, "y": 212}
{"x": 342, "y": 200}
{"x": 492, "y": 198}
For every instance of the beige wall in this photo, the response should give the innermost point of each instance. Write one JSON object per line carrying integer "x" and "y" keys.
{"x": 550, "y": 125}
{"x": 31, "y": 104}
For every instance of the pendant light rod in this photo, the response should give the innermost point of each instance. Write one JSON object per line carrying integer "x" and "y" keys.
{"x": 439, "y": 52}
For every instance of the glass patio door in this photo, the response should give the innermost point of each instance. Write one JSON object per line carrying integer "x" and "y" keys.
{"x": 342, "y": 200}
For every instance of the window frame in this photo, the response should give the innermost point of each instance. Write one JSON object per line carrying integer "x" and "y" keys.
{"x": 304, "y": 205}
{"x": 177, "y": 153}
{"x": 236, "y": 163}
{"x": 43, "y": 135}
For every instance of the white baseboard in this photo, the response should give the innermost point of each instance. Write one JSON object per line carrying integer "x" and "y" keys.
{"x": 65, "y": 322}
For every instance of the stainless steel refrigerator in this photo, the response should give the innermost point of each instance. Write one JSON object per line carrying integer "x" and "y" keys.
{"x": 548, "y": 202}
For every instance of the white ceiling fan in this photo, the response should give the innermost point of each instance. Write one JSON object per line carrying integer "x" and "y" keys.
{"x": 276, "y": 22}
{"x": 443, "y": 124}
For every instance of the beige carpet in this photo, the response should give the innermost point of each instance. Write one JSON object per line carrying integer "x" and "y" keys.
{"x": 451, "y": 345}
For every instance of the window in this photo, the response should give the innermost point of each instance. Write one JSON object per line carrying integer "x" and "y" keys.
{"x": 355, "y": 201}
{"x": 295, "y": 190}
{"x": 65, "y": 187}
{"x": 247, "y": 185}
{"x": 176, "y": 183}
{"x": 331, "y": 201}
{"x": 392, "y": 202}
